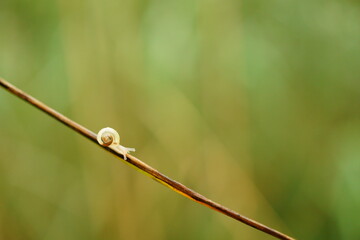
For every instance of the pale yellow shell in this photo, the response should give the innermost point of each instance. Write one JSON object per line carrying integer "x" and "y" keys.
{"x": 108, "y": 132}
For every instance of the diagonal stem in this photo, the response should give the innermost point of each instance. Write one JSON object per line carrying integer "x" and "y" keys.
{"x": 143, "y": 167}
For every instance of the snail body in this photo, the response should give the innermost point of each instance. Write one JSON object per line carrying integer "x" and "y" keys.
{"x": 109, "y": 137}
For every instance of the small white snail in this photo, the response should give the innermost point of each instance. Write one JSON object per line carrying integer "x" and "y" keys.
{"x": 109, "y": 137}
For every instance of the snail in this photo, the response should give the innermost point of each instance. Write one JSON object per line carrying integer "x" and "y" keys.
{"x": 109, "y": 137}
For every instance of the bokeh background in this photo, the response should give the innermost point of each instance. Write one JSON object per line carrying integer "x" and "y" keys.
{"x": 253, "y": 103}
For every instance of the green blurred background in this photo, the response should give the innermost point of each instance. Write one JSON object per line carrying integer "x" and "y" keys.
{"x": 253, "y": 103}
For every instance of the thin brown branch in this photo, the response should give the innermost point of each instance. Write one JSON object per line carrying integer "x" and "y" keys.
{"x": 174, "y": 185}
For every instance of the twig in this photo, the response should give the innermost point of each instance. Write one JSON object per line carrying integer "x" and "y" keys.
{"x": 176, "y": 186}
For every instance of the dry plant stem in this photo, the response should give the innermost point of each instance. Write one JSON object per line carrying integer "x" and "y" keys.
{"x": 176, "y": 186}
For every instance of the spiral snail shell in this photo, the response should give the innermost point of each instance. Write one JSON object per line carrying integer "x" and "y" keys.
{"x": 109, "y": 137}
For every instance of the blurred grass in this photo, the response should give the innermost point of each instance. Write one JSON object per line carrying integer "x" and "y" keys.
{"x": 255, "y": 104}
